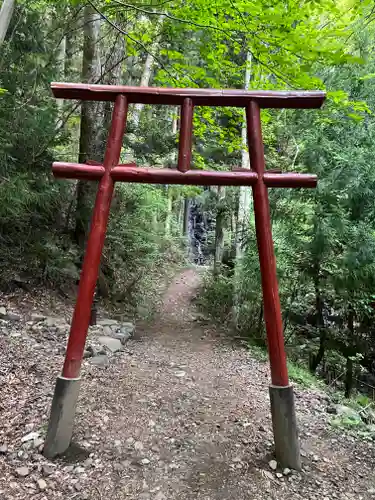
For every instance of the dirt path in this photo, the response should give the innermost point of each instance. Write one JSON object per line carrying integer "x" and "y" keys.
{"x": 181, "y": 414}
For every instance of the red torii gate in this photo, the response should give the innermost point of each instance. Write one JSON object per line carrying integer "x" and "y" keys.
{"x": 281, "y": 393}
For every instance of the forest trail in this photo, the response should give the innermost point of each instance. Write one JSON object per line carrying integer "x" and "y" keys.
{"x": 181, "y": 413}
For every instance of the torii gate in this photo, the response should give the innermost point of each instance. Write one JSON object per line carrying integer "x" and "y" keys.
{"x": 281, "y": 393}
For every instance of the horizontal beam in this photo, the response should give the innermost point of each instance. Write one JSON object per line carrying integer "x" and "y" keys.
{"x": 191, "y": 177}
{"x": 92, "y": 171}
{"x": 199, "y": 97}
{"x": 290, "y": 180}
{"x": 131, "y": 173}
{"x": 77, "y": 171}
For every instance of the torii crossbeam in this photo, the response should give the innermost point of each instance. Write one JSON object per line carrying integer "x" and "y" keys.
{"x": 281, "y": 393}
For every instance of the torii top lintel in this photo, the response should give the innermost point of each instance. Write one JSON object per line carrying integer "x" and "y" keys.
{"x": 200, "y": 97}
{"x": 187, "y": 99}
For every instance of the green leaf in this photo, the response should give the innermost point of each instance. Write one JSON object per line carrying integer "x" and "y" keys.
{"x": 370, "y": 76}
{"x": 355, "y": 117}
{"x": 337, "y": 96}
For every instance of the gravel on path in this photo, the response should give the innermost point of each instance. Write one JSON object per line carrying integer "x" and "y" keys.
{"x": 179, "y": 413}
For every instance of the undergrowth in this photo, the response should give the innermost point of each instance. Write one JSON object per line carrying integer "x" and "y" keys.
{"x": 298, "y": 374}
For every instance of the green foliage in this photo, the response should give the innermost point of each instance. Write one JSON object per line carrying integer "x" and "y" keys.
{"x": 347, "y": 422}
{"x": 31, "y": 202}
{"x": 324, "y": 238}
{"x": 298, "y": 373}
{"x": 136, "y": 236}
{"x": 216, "y": 297}
{"x": 258, "y": 352}
{"x": 363, "y": 401}
{"x": 37, "y": 213}
{"x": 302, "y": 376}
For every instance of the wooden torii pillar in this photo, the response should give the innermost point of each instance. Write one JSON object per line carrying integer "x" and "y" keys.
{"x": 281, "y": 393}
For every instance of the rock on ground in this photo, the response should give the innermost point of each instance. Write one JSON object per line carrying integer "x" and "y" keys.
{"x": 110, "y": 343}
{"x": 180, "y": 413}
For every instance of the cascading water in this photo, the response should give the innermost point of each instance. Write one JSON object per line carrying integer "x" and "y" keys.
{"x": 199, "y": 228}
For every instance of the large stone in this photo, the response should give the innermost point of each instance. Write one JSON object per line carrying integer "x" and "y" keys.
{"x": 42, "y": 485}
{"x": 107, "y": 330}
{"x": 100, "y": 360}
{"x": 122, "y": 337}
{"x": 110, "y": 343}
{"x": 51, "y": 321}
{"x": 30, "y": 437}
{"x": 269, "y": 475}
{"x": 347, "y": 412}
{"x": 15, "y": 335}
{"x": 272, "y": 464}
{"x": 62, "y": 327}
{"x": 127, "y": 328}
{"x": 12, "y": 316}
{"x": 89, "y": 352}
{"x": 107, "y": 322}
{"x": 38, "y": 442}
{"x": 36, "y": 317}
{"x": 138, "y": 446}
{"x": 48, "y": 470}
{"x": 3, "y": 312}
{"x": 22, "y": 471}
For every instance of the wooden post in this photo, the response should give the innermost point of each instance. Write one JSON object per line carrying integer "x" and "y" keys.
{"x": 281, "y": 394}
{"x": 186, "y": 135}
{"x": 272, "y": 310}
{"x": 67, "y": 386}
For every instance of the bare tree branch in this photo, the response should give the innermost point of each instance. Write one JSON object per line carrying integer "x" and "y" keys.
{"x": 174, "y": 18}
{"x": 142, "y": 45}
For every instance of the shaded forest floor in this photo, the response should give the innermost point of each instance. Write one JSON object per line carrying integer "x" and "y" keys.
{"x": 179, "y": 413}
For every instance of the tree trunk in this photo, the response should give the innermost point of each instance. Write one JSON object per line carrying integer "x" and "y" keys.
{"x": 316, "y": 359}
{"x": 349, "y": 377}
{"x": 219, "y": 230}
{"x": 90, "y": 147}
{"x": 112, "y": 72}
{"x": 146, "y": 77}
{"x": 6, "y": 13}
{"x": 70, "y": 45}
{"x": 145, "y": 80}
{"x": 180, "y": 215}
{"x": 185, "y": 226}
{"x": 168, "y": 217}
{"x": 349, "y": 360}
{"x": 244, "y": 205}
{"x": 60, "y": 59}
{"x": 260, "y": 320}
